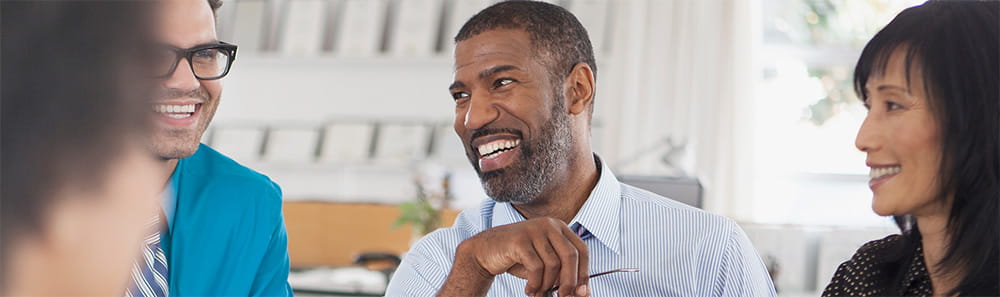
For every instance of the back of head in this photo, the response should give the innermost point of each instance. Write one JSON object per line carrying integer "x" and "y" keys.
{"x": 558, "y": 38}
{"x": 956, "y": 45}
{"x": 69, "y": 102}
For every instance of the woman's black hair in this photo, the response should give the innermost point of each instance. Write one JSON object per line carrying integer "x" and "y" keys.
{"x": 70, "y": 101}
{"x": 956, "y": 45}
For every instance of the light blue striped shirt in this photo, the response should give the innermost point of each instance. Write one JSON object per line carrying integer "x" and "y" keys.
{"x": 680, "y": 250}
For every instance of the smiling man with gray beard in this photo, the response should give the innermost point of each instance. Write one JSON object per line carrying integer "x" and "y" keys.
{"x": 524, "y": 92}
{"x": 525, "y": 180}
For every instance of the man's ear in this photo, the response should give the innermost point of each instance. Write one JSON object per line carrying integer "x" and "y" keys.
{"x": 579, "y": 88}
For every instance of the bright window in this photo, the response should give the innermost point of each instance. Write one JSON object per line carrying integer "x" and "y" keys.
{"x": 806, "y": 167}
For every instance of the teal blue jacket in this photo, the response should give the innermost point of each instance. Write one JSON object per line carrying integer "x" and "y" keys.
{"x": 227, "y": 234}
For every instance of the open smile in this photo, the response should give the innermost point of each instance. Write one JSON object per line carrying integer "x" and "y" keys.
{"x": 493, "y": 149}
{"x": 881, "y": 174}
{"x": 496, "y": 151}
{"x": 177, "y": 114}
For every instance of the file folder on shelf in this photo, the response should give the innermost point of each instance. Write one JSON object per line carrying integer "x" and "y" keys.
{"x": 415, "y": 28}
{"x": 361, "y": 28}
{"x": 303, "y": 28}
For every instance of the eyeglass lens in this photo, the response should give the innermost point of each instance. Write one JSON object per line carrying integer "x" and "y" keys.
{"x": 209, "y": 63}
{"x": 205, "y": 63}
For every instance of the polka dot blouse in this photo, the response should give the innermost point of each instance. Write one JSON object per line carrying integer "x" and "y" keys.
{"x": 892, "y": 266}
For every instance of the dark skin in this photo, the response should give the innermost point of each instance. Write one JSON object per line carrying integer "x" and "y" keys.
{"x": 499, "y": 83}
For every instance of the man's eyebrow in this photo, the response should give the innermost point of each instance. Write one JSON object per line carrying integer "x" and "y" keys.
{"x": 496, "y": 69}
{"x": 202, "y": 44}
{"x": 485, "y": 74}
{"x": 210, "y": 43}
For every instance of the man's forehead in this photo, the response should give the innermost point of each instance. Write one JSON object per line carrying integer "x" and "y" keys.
{"x": 186, "y": 23}
{"x": 490, "y": 58}
{"x": 493, "y": 46}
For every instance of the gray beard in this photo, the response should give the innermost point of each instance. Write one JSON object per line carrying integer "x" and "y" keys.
{"x": 537, "y": 165}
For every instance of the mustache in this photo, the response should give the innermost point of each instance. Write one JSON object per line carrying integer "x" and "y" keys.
{"x": 490, "y": 131}
{"x": 177, "y": 93}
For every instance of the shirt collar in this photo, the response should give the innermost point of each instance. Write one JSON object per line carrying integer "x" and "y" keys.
{"x": 600, "y": 214}
{"x": 168, "y": 199}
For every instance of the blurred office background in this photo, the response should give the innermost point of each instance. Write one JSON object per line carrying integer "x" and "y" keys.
{"x": 743, "y": 108}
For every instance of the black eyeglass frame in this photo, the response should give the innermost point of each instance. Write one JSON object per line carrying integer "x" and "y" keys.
{"x": 227, "y": 48}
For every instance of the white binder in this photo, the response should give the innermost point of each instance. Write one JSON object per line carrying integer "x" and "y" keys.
{"x": 361, "y": 28}
{"x": 415, "y": 27}
{"x": 346, "y": 143}
{"x": 303, "y": 30}
{"x": 291, "y": 145}
{"x": 241, "y": 144}
{"x": 399, "y": 143}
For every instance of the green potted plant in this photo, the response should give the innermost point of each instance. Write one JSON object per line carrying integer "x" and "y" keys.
{"x": 423, "y": 213}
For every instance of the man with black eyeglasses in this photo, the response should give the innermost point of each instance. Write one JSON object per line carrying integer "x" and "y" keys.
{"x": 221, "y": 231}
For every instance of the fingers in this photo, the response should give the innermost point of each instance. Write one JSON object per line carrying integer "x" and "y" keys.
{"x": 545, "y": 252}
{"x": 583, "y": 266}
{"x": 552, "y": 264}
{"x": 569, "y": 257}
{"x": 534, "y": 270}
{"x": 583, "y": 272}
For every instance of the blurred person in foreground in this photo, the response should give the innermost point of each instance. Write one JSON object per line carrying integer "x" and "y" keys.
{"x": 223, "y": 230}
{"x": 932, "y": 134}
{"x": 524, "y": 96}
{"x": 77, "y": 184}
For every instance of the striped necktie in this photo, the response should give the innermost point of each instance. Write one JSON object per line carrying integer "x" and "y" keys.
{"x": 149, "y": 273}
{"x": 581, "y": 231}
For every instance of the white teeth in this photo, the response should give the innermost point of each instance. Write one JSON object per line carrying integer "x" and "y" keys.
{"x": 879, "y": 172}
{"x": 163, "y": 108}
{"x": 178, "y": 115}
{"x": 492, "y": 149}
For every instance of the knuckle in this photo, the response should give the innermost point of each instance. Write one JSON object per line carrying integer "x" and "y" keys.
{"x": 532, "y": 266}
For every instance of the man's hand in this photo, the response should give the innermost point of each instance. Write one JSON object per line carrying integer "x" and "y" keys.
{"x": 543, "y": 251}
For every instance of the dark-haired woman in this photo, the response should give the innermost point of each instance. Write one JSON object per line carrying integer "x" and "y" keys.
{"x": 931, "y": 85}
{"x": 78, "y": 184}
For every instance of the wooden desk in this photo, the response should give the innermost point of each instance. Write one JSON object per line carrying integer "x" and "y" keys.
{"x": 331, "y": 234}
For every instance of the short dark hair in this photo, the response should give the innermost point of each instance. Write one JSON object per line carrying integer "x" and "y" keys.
{"x": 215, "y": 4}
{"x": 955, "y": 44}
{"x": 555, "y": 33}
{"x": 68, "y": 105}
